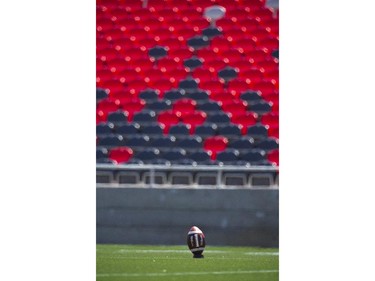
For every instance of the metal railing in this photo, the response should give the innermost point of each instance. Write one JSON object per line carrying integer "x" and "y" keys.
{"x": 187, "y": 176}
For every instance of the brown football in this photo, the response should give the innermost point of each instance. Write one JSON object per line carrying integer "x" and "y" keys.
{"x": 196, "y": 241}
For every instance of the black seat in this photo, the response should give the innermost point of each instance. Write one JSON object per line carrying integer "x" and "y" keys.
{"x": 147, "y": 155}
{"x": 229, "y": 130}
{"x": 198, "y": 42}
{"x": 112, "y": 140}
{"x": 258, "y": 131}
{"x": 101, "y": 152}
{"x": 189, "y": 84}
{"x": 185, "y": 161}
{"x": 128, "y": 129}
{"x": 118, "y": 116}
{"x": 106, "y": 161}
{"x": 275, "y": 53}
{"x": 209, "y": 106}
{"x": 212, "y": 31}
{"x": 158, "y": 52}
{"x": 251, "y": 96}
{"x": 104, "y": 128}
{"x": 164, "y": 142}
{"x": 200, "y": 156}
{"x": 199, "y": 95}
{"x": 228, "y": 156}
{"x": 174, "y": 155}
{"x": 228, "y": 73}
{"x": 254, "y": 157}
{"x": 149, "y": 94}
{"x": 242, "y": 144}
{"x": 134, "y": 161}
{"x": 160, "y": 161}
{"x": 174, "y": 94}
{"x": 193, "y": 62}
{"x": 101, "y": 94}
{"x": 145, "y": 116}
{"x": 159, "y": 105}
{"x": 137, "y": 141}
{"x": 190, "y": 143}
{"x": 260, "y": 107}
{"x": 180, "y": 129}
{"x": 269, "y": 144}
{"x": 206, "y": 130}
{"x": 152, "y": 129}
{"x": 218, "y": 117}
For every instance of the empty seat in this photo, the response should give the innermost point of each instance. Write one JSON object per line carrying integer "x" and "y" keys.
{"x": 112, "y": 140}
{"x": 198, "y": 42}
{"x": 184, "y": 105}
{"x": 228, "y": 156}
{"x": 152, "y": 129}
{"x": 212, "y": 31}
{"x": 159, "y": 105}
{"x": 230, "y": 130}
{"x": 260, "y": 107}
{"x": 269, "y": 144}
{"x": 209, "y": 106}
{"x": 119, "y": 116}
{"x": 174, "y": 155}
{"x": 228, "y": 73}
{"x": 234, "y": 106}
{"x": 190, "y": 143}
{"x": 149, "y": 94}
{"x": 271, "y": 119}
{"x": 169, "y": 118}
{"x": 164, "y": 142}
{"x": 258, "y": 131}
{"x": 273, "y": 157}
{"x": 128, "y": 129}
{"x": 145, "y": 116}
{"x": 254, "y": 157}
{"x": 137, "y": 141}
{"x": 194, "y": 118}
{"x": 205, "y": 130}
{"x": 101, "y": 152}
{"x": 174, "y": 94}
{"x": 101, "y": 94}
{"x": 219, "y": 117}
{"x": 199, "y": 95}
{"x": 104, "y": 128}
{"x": 148, "y": 154}
{"x": 179, "y": 130}
{"x": 200, "y": 156}
{"x": 251, "y": 96}
{"x": 120, "y": 154}
{"x": 215, "y": 144}
{"x": 245, "y": 119}
{"x": 193, "y": 62}
{"x": 189, "y": 84}
{"x": 242, "y": 144}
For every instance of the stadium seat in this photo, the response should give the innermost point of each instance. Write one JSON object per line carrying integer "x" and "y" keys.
{"x": 251, "y": 96}
{"x": 206, "y": 130}
{"x": 189, "y": 84}
{"x": 159, "y": 105}
{"x": 199, "y": 95}
{"x": 184, "y": 105}
{"x": 269, "y": 144}
{"x": 242, "y": 144}
{"x": 152, "y": 129}
{"x": 120, "y": 154}
{"x": 228, "y": 156}
{"x": 219, "y": 117}
{"x": 230, "y": 130}
{"x": 137, "y": 141}
{"x": 169, "y": 118}
{"x": 215, "y": 144}
{"x": 174, "y": 94}
{"x": 260, "y": 107}
{"x": 180, "y": 130}
{"x": 258, "y": 131}
{"x": 273, "y": 157}
{"x": 101, "y": 94}
{"x": 148, "y": 154}
{"x": 145, "y": 116}
{"x": 164, "y": 142}
{"x": 209, "y": 106}
{"x": 190, "y": 143}
{"x": 254, "y": 157}
{"x": 112, "y": 140}
{"x": 105, "y": 128}
{"x": 118, "y": 117}
{"x": 101, "y": 152}
{"x": 128, "y": 129}
{"x": 201, "y": 156}
{"x": 174, "y": 155}
{"x": 149, "y": 94}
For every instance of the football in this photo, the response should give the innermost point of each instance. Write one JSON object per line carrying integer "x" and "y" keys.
{"x": 196, "y": 241}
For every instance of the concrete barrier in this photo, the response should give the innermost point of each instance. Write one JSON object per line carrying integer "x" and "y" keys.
{"x": 238, "y": 217}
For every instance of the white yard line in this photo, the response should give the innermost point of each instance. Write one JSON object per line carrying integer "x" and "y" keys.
{"x": 183, "y": 273}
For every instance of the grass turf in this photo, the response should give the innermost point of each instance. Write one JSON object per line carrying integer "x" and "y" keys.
{"x": 167, "y": 263}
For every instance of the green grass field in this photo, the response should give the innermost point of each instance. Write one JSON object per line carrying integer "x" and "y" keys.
{"x": 136, "y": 262}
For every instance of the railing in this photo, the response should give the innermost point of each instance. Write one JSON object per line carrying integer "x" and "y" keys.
{"x": 187, "y": 176}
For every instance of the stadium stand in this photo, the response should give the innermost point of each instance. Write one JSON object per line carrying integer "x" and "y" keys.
{"x": 174, "y": 88}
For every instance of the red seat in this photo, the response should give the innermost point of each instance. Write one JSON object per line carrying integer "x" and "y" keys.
{"x": 163, "y": 83}
{"x": 137, "y": 85}
{"x": 215, "y": 144}
{"x": 212, "y": 86}
{"x": 132, "y": 106}
{"x": 273, "y": 157}
{"x": 232, "y": 56}
{"x": 114, "y": 86}
{"x": 239, "y": 85}
{"x": 221, "y": 96}
{"x": 266, "y": 87}
{"x": 180, "y": 53}
{"x": 269, "y": 42}
{"x": 234, "y": 106}
{"x": 121, "y": 154}
{"x": 184, "y": 105}
{"x": 274, "y": 131}
{"x": 204, "y": 74}
{"x": 169, "y": 118}
{"x": 194, "y": 118}
{"x": 269, "y": 65}
{"x": 106, "y": 106}
{"x": 254, "y": 74}
{"x": 245, "y": 119}
{"x": 270, "y": 119}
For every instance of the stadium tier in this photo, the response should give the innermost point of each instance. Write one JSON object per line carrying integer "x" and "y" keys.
{"x": 175, "y": 87}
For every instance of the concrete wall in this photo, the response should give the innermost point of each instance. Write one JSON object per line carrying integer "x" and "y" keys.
{"x": 164, "y": 216}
